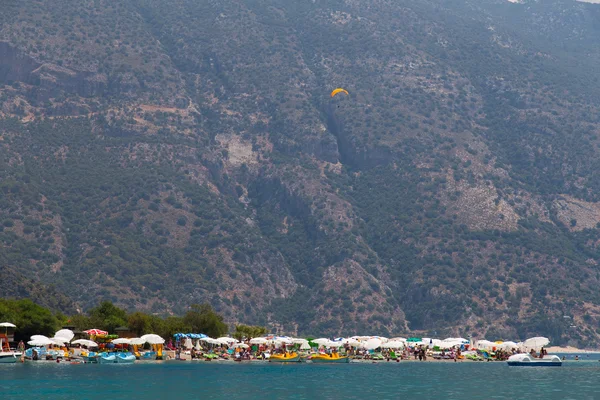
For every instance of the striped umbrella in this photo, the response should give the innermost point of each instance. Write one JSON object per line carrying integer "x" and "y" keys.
{"x": 95, "y": 332}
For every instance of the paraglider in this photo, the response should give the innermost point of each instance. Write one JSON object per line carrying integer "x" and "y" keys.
{"x": 339, "y": 90}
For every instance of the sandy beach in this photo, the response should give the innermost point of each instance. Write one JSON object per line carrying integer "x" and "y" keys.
{"x": 569, "y": 349}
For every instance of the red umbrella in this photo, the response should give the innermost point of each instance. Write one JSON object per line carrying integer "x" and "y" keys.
{"x": 96, "y": 332}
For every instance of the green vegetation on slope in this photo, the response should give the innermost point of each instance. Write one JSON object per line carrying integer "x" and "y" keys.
{"x": 158, "y": 153}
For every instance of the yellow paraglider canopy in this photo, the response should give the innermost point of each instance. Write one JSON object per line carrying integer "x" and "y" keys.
{"x": 339, "y": 90}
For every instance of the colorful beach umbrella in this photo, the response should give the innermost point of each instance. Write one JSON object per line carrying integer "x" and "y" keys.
{"x": 95, "y": 332}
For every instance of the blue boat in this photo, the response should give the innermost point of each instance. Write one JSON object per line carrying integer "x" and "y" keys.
{"x": 125, "y": 358}
{"x": 106, "y": 358}
{"x": 90, "y": 357}
{"x": 149, "y": 355}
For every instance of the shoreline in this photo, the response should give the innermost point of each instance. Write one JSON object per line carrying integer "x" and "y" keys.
{"x": 570, "y": 350}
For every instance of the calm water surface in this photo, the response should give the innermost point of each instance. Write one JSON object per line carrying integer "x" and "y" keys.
{"x": 201, "y": 380}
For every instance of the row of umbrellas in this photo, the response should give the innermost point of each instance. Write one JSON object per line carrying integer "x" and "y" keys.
{"x": 534, "y": 343}
{"x": 180, "y": 336}
{"x": 64, "y": 336}
{"x": 374, "y": 342}
{"x": 365, "y": 342}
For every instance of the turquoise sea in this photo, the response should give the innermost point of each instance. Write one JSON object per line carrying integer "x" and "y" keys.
{"x": 216, "y": 380}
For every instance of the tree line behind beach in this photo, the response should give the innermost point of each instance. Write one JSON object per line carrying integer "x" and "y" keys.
{"x": 33, "y": 319}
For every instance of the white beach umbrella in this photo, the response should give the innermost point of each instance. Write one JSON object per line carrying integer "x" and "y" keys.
{"x": 153, "y": 338}
{"x": 351, "y": 342}
{"x": 398, "y": 339}
{"x": 305, "y": 346}
{"x": 137, "y": 341}
{"x": 34, "y": 337}
{"x": 65, "y": 333}
{"x": 188, "y": 343}
{"x": 198, "y": 347}
{"x": 484, "y": 344}
{"x": 299, "y": 340}
{"x": 43, "y": 341}
{"x": 85, "y": 342}
{"x": 536, "y": 342}
{"x": 59, "y": 340}
{"x": 393, "y": 345}
{"x": 241, "y": 345}
{"x": 258, "y": 340}
{"x": 320, "y": 341}
{"x": 456, "y": 340}
{"x": 371, "y": 344}
{"x": 507, "y": 345}
{"x": 121, "y": 341}
{"x": 6, "y": 325}
{"x": 227, "y": 339}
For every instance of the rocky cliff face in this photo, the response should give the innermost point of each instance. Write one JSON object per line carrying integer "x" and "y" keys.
{"x": 159, "y": 153}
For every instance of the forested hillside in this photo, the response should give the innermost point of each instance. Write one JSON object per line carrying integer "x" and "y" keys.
{"x": 160, "y": 153}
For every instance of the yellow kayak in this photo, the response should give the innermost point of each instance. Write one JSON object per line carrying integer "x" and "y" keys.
{"x": 329, "y": 358}
{"x": 286, "y": 357}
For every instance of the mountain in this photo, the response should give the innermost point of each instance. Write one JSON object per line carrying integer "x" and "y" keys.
{"x": 159, "y": 153}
